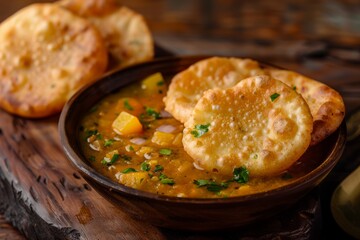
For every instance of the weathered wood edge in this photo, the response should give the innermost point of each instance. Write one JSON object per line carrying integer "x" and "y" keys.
{"x": 16, "y": 210}
{"x": 46, "y": 193}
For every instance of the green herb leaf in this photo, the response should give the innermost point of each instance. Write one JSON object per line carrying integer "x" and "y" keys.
{"x": 241, "y": 175}
{"x": 162, "y": 176}
{"x": 201, "y": 182}
{"x": 145, "y": 166}
{"x": 215, "y": 188}
{"x": 90, "y": 133}
{"x": 158, "y": 168}
{"x": 165, "y": 151}
{"x": 127, "y": 105}
{"x": 126, "y": 157}
{"x": 200, "y": 130}
{"x": 167, "y": 181}
{"x": 211, "y": 186}
{"x": 274, "y": 96}
{"x": 92, "y": 158}
{"x": 160, "y": 83}
{"x": 294, "y": 88}
{"x": 151, "y": 112}
{"x": 129, "y": 170}
{"x": 113, "y": 159}
{"x": 108, "y": 142}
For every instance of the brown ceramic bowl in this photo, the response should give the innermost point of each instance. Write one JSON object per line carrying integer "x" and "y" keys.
{"x": 186, "y": 213}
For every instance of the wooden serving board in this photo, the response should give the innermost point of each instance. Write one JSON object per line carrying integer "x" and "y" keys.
{"x": 44, "y": 197}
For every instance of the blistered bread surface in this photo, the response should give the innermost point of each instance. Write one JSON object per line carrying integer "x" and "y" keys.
{"x": 261, "y": 124}
{"x": 46, "y": 54}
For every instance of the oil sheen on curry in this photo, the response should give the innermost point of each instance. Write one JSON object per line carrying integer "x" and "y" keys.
{"x": 129, "y": 138}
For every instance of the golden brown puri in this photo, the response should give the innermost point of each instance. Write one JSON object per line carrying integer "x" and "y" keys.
{"x": 326, "y": 105}
{"x": 46, "y": 54}
{"x": 261, "y": 124}
{"x": 125, "y": 32}
{"x": 188, "y": 86}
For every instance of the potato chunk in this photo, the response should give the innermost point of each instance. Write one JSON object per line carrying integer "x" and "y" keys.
{"x": 162, "y": 139}
{"x": 126, "y": 124}
{"x": 134, "y": 179}
{"x": 153, "y": 84}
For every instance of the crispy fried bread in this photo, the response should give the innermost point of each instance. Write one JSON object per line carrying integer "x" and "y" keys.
{"x": 46, "y": 54}
{"x": 326, "y": 105}
{"x": 125, "y": 32}
{"x": 188, "y": 86}
{"x": 261, "y": 124}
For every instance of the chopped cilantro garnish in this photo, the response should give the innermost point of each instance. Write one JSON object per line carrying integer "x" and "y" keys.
{"x": 294, "y": 88}
{"x": 200, "y": 130}
{"x": 274, "y": 96}
{"x": 211, "y": 185}
{"x": 90, "y": 133}
{"x": 108, "y": 142}
{"x": 126, "y": 157}
{"x": 241, "y": 175}
{"x": 162, "y": 176}
{"x": 160, "y": 83}
{"x": 99, "y": 136}
{"x": 145, "y": 166}
{"x": 151, "y": 112}
{"x": 128, "y": 170}
{"x": 165, "y": 151}
{"x": 131, "y": 148}
{"x": 127, "y": 105}
{"x": 201, "y": 182}
{"x": 158, "y": 168}
{"x": 92, "y": 158}
{"x": 114, "y": 158}
{"x": 166, "y": 180}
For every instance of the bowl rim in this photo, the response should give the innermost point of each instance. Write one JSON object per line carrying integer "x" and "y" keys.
{"x": 90, "y": 173}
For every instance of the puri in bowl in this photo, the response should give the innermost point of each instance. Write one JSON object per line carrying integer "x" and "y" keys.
{"x": 116, "y": 133}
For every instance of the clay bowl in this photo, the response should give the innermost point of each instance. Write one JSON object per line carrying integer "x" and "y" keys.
{"x": 186, "y": 213}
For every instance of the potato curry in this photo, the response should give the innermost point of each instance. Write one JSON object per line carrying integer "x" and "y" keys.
{"x": 129, "y": 138}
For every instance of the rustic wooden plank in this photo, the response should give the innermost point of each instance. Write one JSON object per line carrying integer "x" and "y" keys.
{"x": 45, "y": 198}
{"x": 8, "y": 232}
{"x": 42, "y": 194}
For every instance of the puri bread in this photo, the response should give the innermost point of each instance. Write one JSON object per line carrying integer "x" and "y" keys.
{"x": 46, "y": 54}
{"x": 125, "y": 32}
{"x": 188, "y": 86}
{"x": 326, "y": 105}
{"x": 261, "y": 124}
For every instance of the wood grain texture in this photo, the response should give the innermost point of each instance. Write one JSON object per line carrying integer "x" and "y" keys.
{"x": 8, "y": 232}
{"x": 44, "y": 197}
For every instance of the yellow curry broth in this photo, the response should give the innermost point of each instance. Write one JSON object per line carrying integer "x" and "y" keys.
{"x": 152, "y": 160}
